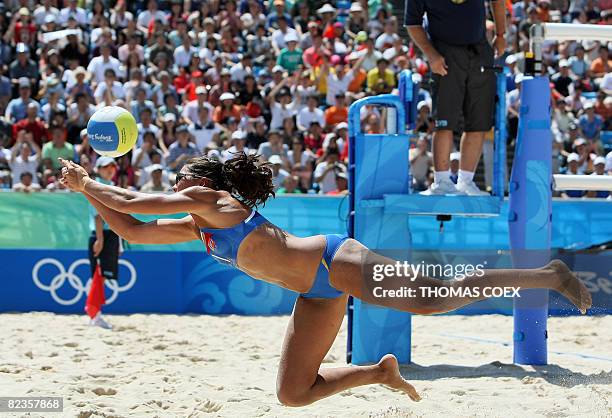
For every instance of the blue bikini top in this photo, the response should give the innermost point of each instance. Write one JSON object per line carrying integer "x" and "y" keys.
{"x": 223, "y": 243}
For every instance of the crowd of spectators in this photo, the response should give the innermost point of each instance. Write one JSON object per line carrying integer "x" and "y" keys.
{"x": 273, "y": 77}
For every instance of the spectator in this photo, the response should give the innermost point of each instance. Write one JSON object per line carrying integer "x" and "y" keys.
{"x": 572, "y": 169}
{"x": 310, "y": 113}
{"x": 599, "y": 166}
{"x": 23, "y": 67}
{"x": 290, "y": 57}
{"x": 562, "y": 80}
{"x": 17, "y": 108}
{"x": 289, "y": 186}
{"x": 325, "y": 172}
{"x": 455, "y": 158}
{"x": 341, "y": 184}
{"x": 98, "y": 66}
{"x": 226, "y": 109}
{"x": 274, "y": 146}
{"x": 238, "y": 146}
{"x": 57, "y": 148}
{"x": 25, "y": 157}
{"x": 25, "y": 184}
{"x": 278, "y": 174}
{"x": 590, "y": 123}
{"x": 337, "y": 113}
{"x": 32, "y": 124}
{"x": 181, "y": 150}
{"x": 421, "y": 162}
{"x": 157, "y": 182}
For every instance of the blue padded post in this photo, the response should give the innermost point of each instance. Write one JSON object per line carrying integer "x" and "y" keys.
{"x": 378, "y": 165}
{"x": 499, "y": 147}
{"x": 530, "y": 211}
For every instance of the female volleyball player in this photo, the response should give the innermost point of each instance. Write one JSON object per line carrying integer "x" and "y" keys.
{"x": 221, "y": 199}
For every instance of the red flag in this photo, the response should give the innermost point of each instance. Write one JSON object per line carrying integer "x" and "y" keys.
{"x": 96, "y": 298}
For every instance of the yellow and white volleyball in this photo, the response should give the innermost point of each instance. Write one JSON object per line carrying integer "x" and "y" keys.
{"x": 112, "y": 131}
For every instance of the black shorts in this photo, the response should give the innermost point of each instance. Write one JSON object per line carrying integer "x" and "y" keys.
{"x": 109, "y": 256}
{"x": 465, "y": 96}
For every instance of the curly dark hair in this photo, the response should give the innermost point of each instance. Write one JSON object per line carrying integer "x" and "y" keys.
{"x": 243, "y": 176}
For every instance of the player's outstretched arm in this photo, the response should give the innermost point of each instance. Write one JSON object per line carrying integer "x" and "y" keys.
{"x": 159, "y": 231}
{"x": 193, "y": 200}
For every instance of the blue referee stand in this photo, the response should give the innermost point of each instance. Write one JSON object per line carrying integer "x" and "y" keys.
{"x": 381, "y": 201}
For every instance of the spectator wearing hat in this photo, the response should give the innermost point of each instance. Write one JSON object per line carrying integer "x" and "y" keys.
{"x": 23, "y": 67}
{"x": 77, "y": 82}
{"x": 313, "y": 139}
{"x": 562, "y": 80}
{"x": 204, "y": 130}
{"x": 21, "y": 28}
{"x": 307, "y": 39}
{"x": 238, "y": 146}
{"x": 381, "y": 79}
{"x": 590, "y": 123}
{"x": 338, "y": 112}
{"x": 356, "y": 21}
{"x": 156, "y": 183}
{"x": 309, "y": 113}
{"x": 278, "y": 173}
{"x": 599, "y": 169}
{"x": 282, "y": 105}
{"x": 290, "y": 57}
{"x": 572, "y": 169}
{"x": 181, "y": 150}
{"x": 191, "y": 110}
{"x": 456, "y": 52}
{"x": 582, "y": 149}
{"x": 57, "y": 147}
{"x": 226, "y": 109}
{"x": 25, "y": 157}
{"x": 32, "y": 124}
{"x": 388, "y": 38}
{"x": 341, "y": 185}
{"x": 327, "y": 13}
{"x": 424, "y": 122}
{"x": 278, "y": 36}
{"x": 338, "y": 80}
{"x": 17, "y": 108}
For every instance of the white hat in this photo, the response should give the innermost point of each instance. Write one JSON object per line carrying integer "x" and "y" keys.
{"x": 278, "y": 68}
{"x": 155, "y": 167}
{"x": 83, "y": 132}
{"x": 510, "y": 59}
{"x": 227, "y": 96}
{"x": 291, "y": 37}
{"x": 573, "y": 157}
{"x": 589, "y": 105}
{"x": 200, "y": 90}
{"x": 579, "y": 141}
{"x": 169, "y": 117}
{"x": 341, "y": 125}
{"x": 609, "y": 161}
{"x": 599, "y": 160}
{"x": 327, "y": 8}
{"x": 422, "y": 104}
{"x": 24, "y": 82}
{"x": 275, "y": 159}
{"x": 238, "y": 135}
{"x": 455, "y": 156}
{"x": 356, "y": 7}
{"x": 563, "y": 63}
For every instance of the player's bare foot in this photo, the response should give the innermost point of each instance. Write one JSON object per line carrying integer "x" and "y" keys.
{"x": 570, "y": 286}
{"x": 392, "y": 378}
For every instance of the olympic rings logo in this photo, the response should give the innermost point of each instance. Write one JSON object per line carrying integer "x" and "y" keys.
{"x": 75, "y": 281}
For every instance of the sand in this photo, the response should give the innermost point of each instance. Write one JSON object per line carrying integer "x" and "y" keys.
{"x": 205, "y": 366}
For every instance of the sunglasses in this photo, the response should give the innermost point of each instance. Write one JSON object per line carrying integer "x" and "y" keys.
{"x": 181, "y": 176}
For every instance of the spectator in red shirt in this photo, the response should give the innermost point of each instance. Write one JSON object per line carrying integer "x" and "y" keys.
{"x": 313, "y": 140}
{"x": 32, "y": 124}
{"x": 313, "y": 56}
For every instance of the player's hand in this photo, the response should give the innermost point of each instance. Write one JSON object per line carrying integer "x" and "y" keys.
{"x": 499, "y": 44}
{"x": 437, "y": 64}
{"x": 97, "y": 247}
{"x": 73, "y": 175}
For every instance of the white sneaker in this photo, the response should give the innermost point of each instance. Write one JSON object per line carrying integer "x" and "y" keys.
{"x": 444, "y": 186}
{"x": 98, "y": 321}
{"x": 470, "y": 189}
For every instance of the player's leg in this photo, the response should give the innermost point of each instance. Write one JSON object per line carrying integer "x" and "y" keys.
{"x": 354, "y": 265}
{"x": 312, "y": 329}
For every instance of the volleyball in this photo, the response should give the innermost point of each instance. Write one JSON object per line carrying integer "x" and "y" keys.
{"x": 112, "y": 131}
